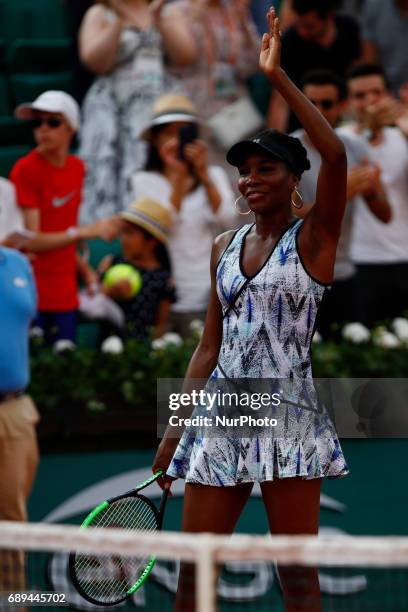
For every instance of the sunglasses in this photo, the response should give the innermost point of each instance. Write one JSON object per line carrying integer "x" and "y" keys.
{"x": 52, "y": 122}
{"x": 325, "y": 104}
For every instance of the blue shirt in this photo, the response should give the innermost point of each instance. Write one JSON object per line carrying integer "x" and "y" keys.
{"x": 18, "y": 303}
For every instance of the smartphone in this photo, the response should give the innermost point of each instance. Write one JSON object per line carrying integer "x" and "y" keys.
{"x": 187, "y": 134}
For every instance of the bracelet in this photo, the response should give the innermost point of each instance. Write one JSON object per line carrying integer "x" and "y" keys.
{"x": 72, "y": 232}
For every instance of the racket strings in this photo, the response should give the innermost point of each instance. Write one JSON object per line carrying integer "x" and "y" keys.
{"x": 108, "y": 578}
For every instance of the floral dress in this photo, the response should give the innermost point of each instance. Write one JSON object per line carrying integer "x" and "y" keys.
{"x": 116, "y": 109}
{"x": 268, "y": 326}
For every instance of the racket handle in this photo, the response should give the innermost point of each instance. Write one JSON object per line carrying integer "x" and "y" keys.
{"x": 163, "y": 506}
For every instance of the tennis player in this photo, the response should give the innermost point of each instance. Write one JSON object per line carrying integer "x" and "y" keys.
{"x": 268, "y": 280}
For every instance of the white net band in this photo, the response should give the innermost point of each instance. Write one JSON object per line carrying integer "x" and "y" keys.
{"x": 302, "y": 550}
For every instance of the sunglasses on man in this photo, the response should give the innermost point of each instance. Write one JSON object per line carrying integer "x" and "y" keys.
{"x": 52, "y": 122}
{"x": 325, "y": 104}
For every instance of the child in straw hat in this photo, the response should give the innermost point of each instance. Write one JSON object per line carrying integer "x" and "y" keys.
{"x": 144, "y": 234}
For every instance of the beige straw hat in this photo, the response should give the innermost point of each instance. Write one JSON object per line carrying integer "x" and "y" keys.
{"x": 169, "y": 108}
{"x": 151, "y": 216}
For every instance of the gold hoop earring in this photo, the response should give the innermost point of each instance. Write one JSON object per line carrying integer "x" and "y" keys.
{"x": 239, "y": 212}
{"x": 299, "y": 195}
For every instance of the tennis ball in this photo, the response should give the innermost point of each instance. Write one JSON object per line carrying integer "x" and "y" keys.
{"x": 121, "y": 272}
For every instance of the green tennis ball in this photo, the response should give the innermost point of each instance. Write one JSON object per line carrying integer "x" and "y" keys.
{"x": 121, "y": 272}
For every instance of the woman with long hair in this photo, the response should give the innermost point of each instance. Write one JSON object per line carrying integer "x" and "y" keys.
{"x": 268, "y": 280}
{"x": 198, "y": 194}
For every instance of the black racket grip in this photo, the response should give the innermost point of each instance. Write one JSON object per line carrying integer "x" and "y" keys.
{"x": 162, "y": 507}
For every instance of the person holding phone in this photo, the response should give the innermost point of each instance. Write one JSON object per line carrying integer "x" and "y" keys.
{"x": 201, "y": 200}
{"x": 268, "y": 280}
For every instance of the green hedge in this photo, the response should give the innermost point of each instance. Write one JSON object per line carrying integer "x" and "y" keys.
{"x": 94, "y": 381}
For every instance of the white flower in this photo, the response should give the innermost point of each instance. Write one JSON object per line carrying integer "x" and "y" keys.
{"x": 172, "y": 338}
{"x": 385, "y": 339}
{"x": 63, "y": 345}
{"x": 197, "y": 326}
{"x": 400, "y": 328}
{"x": 356, "y": 332}
{"x": 166, "y": 340}
{"x": 36, "y": 332}
{"x": 113, "y": 345}
{"x": 158, "y": 344}
{"x": 316, "y": 338}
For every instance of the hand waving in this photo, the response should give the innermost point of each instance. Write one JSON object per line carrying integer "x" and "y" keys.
{"x": 269, "y": 58}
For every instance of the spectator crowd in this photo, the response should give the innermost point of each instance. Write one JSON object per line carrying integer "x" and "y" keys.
{"x": 163, "y": 89}
{"x": 173, "y": 85}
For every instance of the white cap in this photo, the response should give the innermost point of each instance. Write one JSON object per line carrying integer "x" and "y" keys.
{"x": 52, "y": 102}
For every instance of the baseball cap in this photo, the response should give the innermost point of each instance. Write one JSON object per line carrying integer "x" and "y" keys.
{"x": 52, "y": 102}
{"x": 285, "y": 148}
{"x": 151, "y": 216}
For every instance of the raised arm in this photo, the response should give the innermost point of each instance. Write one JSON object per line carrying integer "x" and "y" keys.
{"x": 278, "y": 112}
{"x": 321, "y": 229}
{"x": 99, "y": 40}
{"x": 175, "y": 30}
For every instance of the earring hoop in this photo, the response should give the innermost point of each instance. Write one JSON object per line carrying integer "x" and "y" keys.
{"x": 239, "y": 211}
{"x": 299, "y": 195}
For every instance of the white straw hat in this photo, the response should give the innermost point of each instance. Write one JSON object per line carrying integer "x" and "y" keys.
{"x": 151, "y": 216}
{"x": 170, "y": 108}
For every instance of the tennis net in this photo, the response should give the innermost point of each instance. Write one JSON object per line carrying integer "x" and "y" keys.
{"x": 356, "y": 574}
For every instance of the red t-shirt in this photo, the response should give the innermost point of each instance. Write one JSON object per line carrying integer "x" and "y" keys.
{"x": 56, "y": 193}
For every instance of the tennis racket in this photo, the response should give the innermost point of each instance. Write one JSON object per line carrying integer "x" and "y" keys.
{"x": 108, "y": 579}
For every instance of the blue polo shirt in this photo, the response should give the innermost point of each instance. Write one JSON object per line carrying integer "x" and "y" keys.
{"x": 18, "y": 303}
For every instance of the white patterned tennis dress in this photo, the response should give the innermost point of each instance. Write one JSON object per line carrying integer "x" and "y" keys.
{"x": 268, "y": 327}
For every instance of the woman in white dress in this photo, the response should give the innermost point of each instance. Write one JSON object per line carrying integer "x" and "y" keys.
{"x": 127, "y": 44}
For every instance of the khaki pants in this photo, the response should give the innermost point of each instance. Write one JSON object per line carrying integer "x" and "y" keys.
{"x": 18, "y": 463}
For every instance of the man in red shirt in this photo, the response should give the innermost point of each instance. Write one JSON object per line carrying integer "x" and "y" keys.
{"x": 49, "y": 184}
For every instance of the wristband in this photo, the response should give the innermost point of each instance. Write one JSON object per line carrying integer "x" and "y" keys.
{"x": 72, "y": 232}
